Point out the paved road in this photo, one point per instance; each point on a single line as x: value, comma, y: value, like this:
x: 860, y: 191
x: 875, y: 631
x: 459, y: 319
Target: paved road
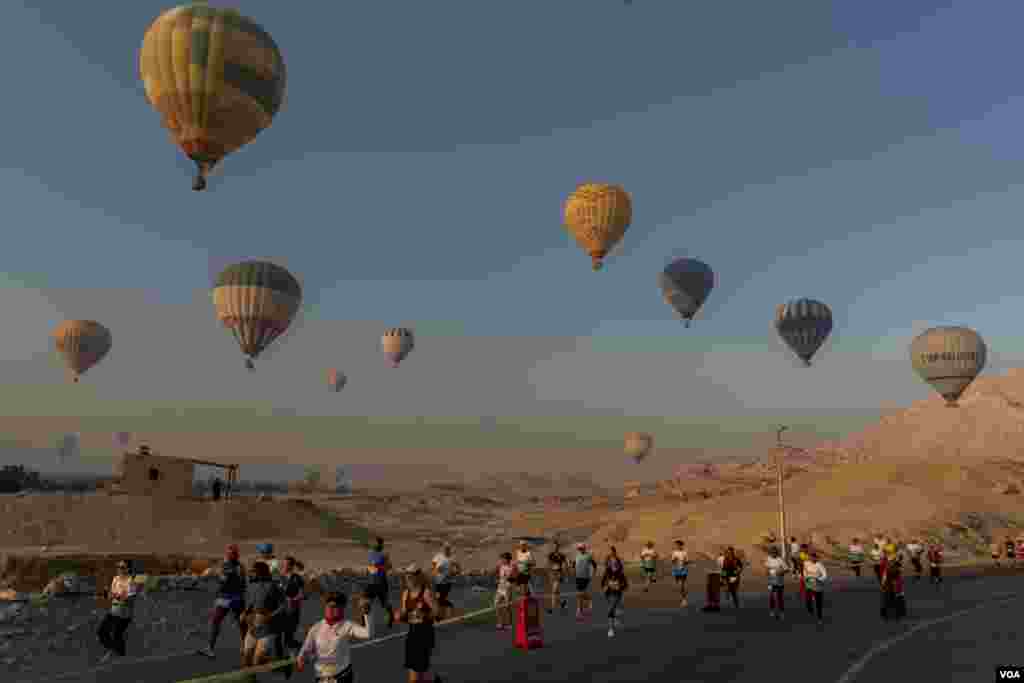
x: 671, y: 645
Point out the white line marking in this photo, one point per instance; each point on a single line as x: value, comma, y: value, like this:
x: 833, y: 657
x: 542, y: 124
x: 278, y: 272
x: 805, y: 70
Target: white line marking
x: 883, y: 646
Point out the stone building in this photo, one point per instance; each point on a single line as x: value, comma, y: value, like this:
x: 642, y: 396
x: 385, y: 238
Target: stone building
x: 150, y: 474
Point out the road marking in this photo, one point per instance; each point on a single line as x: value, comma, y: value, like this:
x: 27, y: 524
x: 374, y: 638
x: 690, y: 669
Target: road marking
x: 879, y: 648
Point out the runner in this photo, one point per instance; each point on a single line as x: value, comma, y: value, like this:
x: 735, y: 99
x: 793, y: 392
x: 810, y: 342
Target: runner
x: 894, y: 602
x: 585, y: 565
x: 442, y: 570
x: 855, y: 556
x: 777, y: 569
x: 230, y: 598
x: 417, y: 609
x: 123, y: 592
x: 649, y: 564
x: 1020, y: 548
x: 995, y: 550
x: 680, y: 570
x: 876, y: 560
x: 524, y: 568
x: 379, y: 566
x: 266, y: 553
x: 815, y: 577
x: 916, y: 551
x: 265, y: 605
x: 504, y: 573
x: 614, y: 583
x: 804, y: 555
x: 1011, y: 551
x: 732, y: 568
x: 328, y: 642
x: 794, y: 555
x: 556, y: 569
x: 935, y: 558
x: 294, y: 586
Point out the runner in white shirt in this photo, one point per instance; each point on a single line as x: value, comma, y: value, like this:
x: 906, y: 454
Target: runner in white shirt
x: 814, y: 579
x: 777, y: 569
x: 328, y: 641
x: 649, y: 564
x: 505, y: 573
x: 680, y: 570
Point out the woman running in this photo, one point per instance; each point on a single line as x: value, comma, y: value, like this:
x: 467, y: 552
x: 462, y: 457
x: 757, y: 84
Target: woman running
x: 123, y: 592
x: 328, y: 641
x: 649, y: 564
x: 265, y: 606
x: 814, y: 579
x: 524, y: 568
x: 556, y: 570
x: 585, y: 564
x: 615, y: 584
x: 505, y: 574
x: 418, y: 606
x: 680, y: 570
x: 855, y: 555
x: 230, y: 598
x: 732, y: 568
x: 777, y: 569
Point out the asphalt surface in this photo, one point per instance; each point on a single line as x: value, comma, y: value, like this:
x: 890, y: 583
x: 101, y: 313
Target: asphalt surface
x: 957, y: 631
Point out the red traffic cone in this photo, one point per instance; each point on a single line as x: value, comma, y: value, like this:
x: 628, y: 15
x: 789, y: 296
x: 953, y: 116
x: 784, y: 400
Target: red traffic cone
x: 529, y: 632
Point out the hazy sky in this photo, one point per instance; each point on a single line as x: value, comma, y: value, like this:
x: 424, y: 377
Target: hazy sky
x: 867, y: 154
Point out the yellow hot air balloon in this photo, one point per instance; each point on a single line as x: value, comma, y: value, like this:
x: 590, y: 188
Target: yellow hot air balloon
x: 216, y: 78
x: 598, y: 215
x: 948, y: 358
x: 638, y: 445
x: 82, y: 343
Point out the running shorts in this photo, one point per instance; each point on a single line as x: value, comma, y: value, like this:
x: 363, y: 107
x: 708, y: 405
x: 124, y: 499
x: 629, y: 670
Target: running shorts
x: 523, y: 578
x: 582, y: 585
x: 649, y: 571
x: 235, y: 603
x: 680, y: 573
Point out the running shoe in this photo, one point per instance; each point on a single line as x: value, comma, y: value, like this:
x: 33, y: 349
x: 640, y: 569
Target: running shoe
x: 206, y: 652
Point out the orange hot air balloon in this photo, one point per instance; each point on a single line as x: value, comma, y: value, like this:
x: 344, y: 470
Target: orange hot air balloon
x: 82, y: 344
x: 597, y: 215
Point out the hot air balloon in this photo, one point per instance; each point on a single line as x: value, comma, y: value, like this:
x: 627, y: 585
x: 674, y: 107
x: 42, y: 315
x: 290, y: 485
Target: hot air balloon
x: 122, y: 439
x: 804, y: 324
x: 336, y: 380
x: 396, y: 344
x: 257, y: 301
x: 685, y: 285
x: 598, y: 215
x: 948, y: 358
x: 82, y: 343
x: 638, y: 445
x: 215, y: 77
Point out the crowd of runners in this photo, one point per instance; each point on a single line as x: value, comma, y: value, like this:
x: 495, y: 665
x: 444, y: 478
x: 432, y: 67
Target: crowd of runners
x: 266, y: 600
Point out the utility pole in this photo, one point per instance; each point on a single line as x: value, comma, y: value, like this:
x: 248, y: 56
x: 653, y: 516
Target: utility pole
x: 779, y: 451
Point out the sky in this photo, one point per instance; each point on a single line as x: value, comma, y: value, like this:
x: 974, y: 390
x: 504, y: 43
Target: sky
x: 866, y: 154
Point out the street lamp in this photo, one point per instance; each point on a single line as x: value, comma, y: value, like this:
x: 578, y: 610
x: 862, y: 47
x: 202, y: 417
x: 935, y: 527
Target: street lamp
x: 779, y: 450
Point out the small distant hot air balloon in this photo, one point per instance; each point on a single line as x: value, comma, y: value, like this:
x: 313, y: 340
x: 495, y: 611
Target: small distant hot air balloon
x: 336, y: 380
x: 948, y: 358
x: 685, y: 285
x: 396, y: 344
x: 122, y: 439
x: 257, y: 301
x: 216, y: 78
x: 639, y: 445
x: 804, y: 324
x: 82, y: 343
x: 597, y: 215
x: 68, y: 447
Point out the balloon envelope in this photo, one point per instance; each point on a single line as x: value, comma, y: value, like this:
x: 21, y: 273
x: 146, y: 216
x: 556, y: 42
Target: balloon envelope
x: 948, y: 358
x: 122, y: 439
x: 396, y: 344
x: 804, y: 325
x: 82, y: 344
x: 638, y: 445
x: 685, y: 285
x: 597, y: 215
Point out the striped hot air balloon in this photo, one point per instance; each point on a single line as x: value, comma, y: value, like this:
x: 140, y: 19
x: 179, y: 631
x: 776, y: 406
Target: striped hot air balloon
x: 257, y: 301
x: 82, y: 344
x: 396, y: 344
x: 638, y: 445
x: 685, y: 285
x: 216, y: 78
x: 948, y: 358
x: 804, y: 325
x: 597, y: 215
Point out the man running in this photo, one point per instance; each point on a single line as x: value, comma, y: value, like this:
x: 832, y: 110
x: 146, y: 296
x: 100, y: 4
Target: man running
x: 814, y: 579
x: 265, y: 606
x: 230, y: 598
x: 585, y: 565
x: 379, y: 566
x: 935, y: 559
x: 855, y: 555
x: 680, y: 570
x: 916, y: 551
x: 777, y: 569
x: 524, y: 567
x: 556, y: 569
x: 505, y: 574
x: 294, y: 586
x: 442, y: 571
x: 327, y: 642
x: 649, y: 564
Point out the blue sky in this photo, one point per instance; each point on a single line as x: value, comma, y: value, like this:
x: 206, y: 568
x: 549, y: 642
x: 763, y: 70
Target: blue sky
x: 867, y: 154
